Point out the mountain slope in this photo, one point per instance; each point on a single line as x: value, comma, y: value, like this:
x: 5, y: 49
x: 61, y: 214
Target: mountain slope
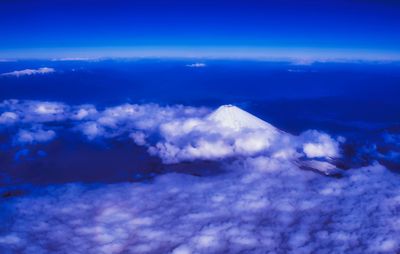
x: 232, y: 117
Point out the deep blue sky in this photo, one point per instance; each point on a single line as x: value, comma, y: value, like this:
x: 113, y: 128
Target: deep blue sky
x: 331, y: 28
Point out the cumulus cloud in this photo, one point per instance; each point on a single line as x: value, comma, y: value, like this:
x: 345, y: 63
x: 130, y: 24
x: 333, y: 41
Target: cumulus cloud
x: 91, y: 130
x: 319, y: 145
x: 84, y: 112
x: 106, y: 123
x: 34, y: 135
x: 196, y: 65
x: 138, y: 137
x: 29, y: 112
x: 8, y: 118
x: 29, y: 72
x: 129, y: 119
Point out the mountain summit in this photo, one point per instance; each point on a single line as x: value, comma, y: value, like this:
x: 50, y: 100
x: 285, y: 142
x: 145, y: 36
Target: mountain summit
x: 230, y: 116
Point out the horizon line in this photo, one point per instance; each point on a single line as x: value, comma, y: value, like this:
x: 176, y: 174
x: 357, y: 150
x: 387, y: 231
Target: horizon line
x: 228, y: 53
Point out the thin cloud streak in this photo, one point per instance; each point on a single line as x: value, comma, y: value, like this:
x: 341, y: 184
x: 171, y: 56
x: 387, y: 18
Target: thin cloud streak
x: 28, y: 72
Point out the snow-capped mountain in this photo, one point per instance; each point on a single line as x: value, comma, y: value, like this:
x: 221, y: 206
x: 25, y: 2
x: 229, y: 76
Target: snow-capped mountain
x: 233, y: 117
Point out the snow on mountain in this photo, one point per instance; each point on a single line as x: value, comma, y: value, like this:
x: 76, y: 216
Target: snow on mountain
x: 232, y: 117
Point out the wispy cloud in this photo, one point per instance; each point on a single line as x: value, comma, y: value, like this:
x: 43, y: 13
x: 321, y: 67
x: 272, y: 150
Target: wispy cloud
x: 5, y: 60
x: 28, y: 72
x: 66, y: 59
x: 196, y: 65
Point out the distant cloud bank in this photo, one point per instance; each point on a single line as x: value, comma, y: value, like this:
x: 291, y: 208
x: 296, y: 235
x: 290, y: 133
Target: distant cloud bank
x: 28, y: 72
x: 66, y: 59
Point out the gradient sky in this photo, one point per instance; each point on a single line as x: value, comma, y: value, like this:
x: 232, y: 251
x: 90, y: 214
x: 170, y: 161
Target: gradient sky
x: 87, y: 28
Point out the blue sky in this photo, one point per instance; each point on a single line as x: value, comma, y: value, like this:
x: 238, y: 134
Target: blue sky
x: 336, y: 28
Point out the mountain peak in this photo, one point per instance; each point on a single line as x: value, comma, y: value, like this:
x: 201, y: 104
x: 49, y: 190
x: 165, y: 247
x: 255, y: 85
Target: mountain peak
x: 233, y: 117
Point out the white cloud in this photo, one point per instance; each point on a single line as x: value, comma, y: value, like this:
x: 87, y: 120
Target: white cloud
x: 139, y: 138
x: 36, y: 111
x: 8, y: 118
x: 317, y: 144
x: 48, y: 108
x: 196, y: 65
x: 28, y: 72
x: 73, y: 59
x: 91, y: 130
x: 304, y: 61
x: 34, y: 135
x: 84, y: 112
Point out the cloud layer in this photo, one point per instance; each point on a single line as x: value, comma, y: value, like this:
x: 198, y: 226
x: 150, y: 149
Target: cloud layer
x: 261, y: 205
x: 264, y: 200
x: 173, y: 133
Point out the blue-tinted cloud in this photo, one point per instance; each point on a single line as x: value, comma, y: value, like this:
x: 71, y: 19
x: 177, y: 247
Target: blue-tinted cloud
x: 259, y: 205
x: 34, y: 135
x: 196, y: 65
x: 263, y: 201
x: 28, y: 72
x: 173, y: 133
